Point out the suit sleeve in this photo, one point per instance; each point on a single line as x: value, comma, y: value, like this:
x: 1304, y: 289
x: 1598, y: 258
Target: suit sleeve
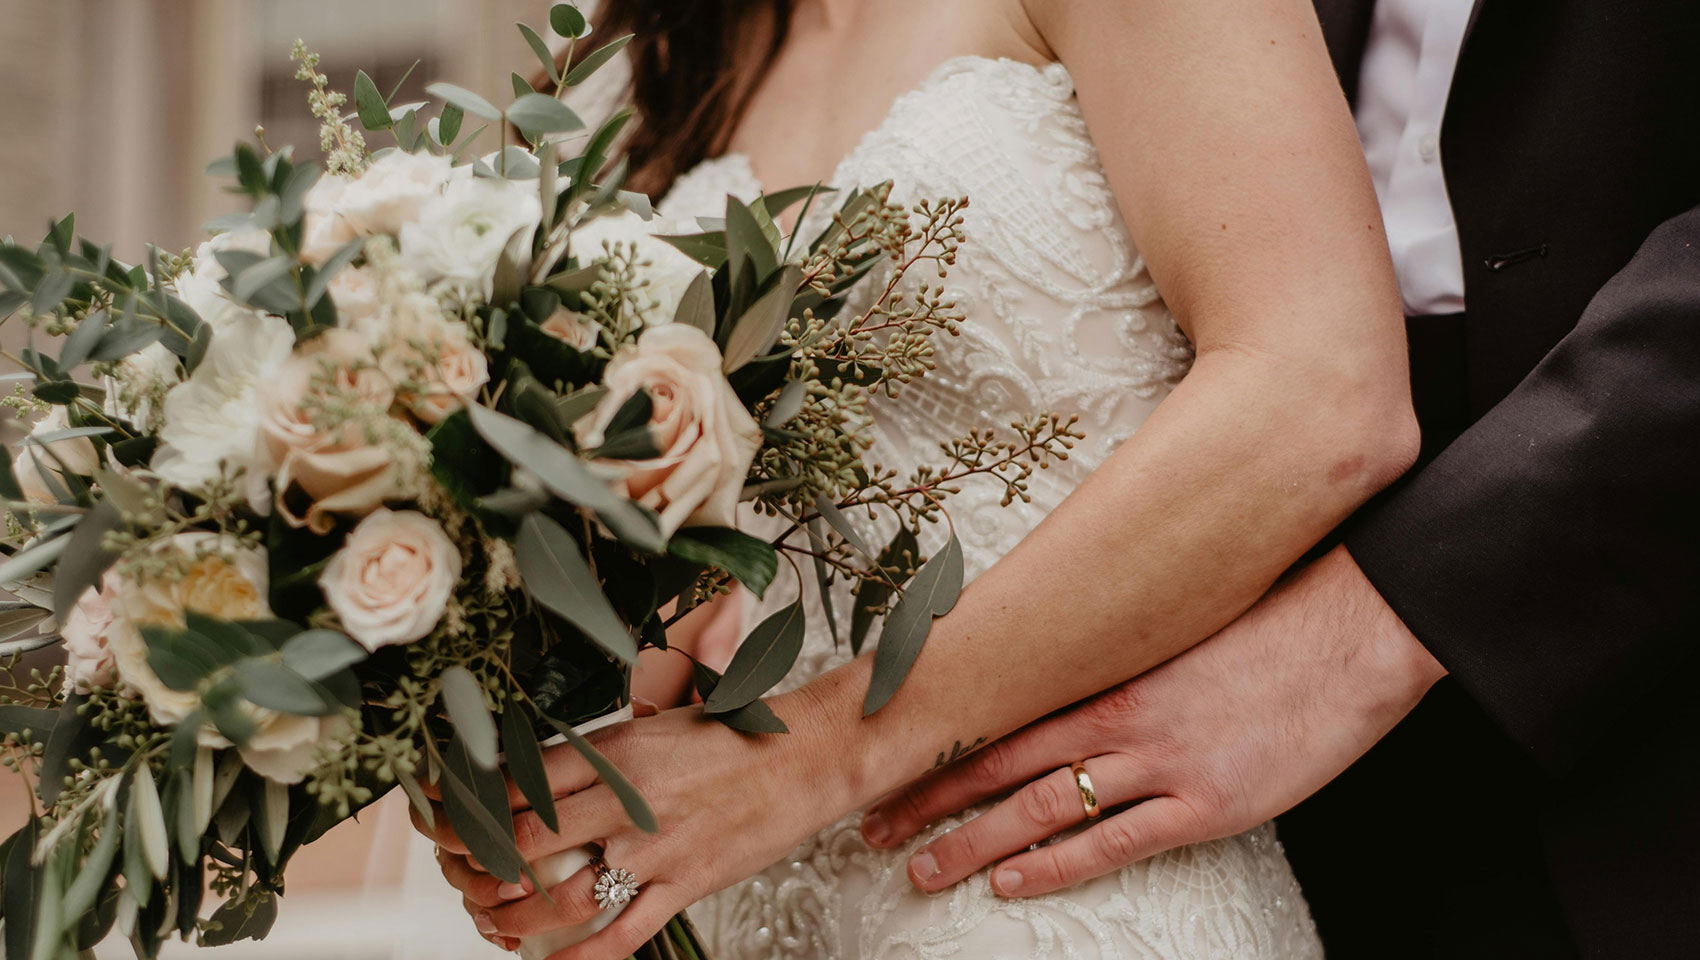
x: 1550, y: 556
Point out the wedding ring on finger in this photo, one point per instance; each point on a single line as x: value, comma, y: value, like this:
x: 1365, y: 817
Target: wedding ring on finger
x: 615, y: 886
x: 1088, y: 795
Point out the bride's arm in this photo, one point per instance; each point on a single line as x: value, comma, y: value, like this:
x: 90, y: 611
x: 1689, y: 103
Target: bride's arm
x: 1233, y: 156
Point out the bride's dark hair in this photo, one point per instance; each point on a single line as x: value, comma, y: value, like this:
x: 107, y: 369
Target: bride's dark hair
x: 695, y: 64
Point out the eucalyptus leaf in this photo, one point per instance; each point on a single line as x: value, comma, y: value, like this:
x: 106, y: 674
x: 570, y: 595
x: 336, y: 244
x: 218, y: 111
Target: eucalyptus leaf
x: 753, y: 561
x: 486, y: 831
x: 150, y: 820
x: 85, y: 559
x: 823, y: 581
x: 81, y: 341
x: 755, y: 717
x: 932, y: 594
x: 557, y: 577
x: 871, y: 595
x: 316, y: 654
x: 696, y: 306
x: 594, y: 60
x: 22, y: 890
x: 755, y: 333
x: 835, y: 517
x: 525, y: 763
x: 536, y: 114
x: 465, y: 100
x: 788, y: 404
x: 464, y: 700
x: 448, y: 123
x: 566, y: 20
x: 272, y: 817
x: 762, y: 660
x: 92, y: 873
x: 635, y: 806
x: 541, y: 49
x: 274, y: 686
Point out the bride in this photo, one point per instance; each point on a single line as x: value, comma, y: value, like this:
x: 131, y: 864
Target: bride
x: 1171, y: 235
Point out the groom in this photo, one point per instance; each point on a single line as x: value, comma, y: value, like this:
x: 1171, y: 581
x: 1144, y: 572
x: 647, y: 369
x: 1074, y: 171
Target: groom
x: 1513, y: 632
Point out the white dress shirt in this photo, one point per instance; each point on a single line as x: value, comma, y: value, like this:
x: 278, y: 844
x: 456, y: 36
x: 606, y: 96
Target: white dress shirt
x: 1402, y: 87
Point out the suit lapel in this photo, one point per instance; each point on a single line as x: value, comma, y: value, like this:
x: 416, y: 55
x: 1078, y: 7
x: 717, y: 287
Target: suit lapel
x: 1345, y: 28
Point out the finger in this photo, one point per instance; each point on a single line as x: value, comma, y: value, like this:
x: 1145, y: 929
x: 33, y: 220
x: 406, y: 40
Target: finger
x: 583, y: 817
x: 1037, y: 811
x: 643, y: 707
x: 1158, y: 824
x: 439, y: 831
x: 573, y: 900
x: 477, y: 886
x: 505, y: 943
x: 642, y: 919
x: 1000, y: 767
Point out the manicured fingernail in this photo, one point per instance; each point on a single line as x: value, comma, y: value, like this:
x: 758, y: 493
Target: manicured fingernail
x: 1006, y: 882
x: 485, y: 924
x: 874, y: 828
x: 923, y: 867
x: 511, y: 891
x: 507, y: 943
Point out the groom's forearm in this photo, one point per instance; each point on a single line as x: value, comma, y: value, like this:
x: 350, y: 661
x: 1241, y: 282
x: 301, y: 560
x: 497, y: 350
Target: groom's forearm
x: 1238, y: 473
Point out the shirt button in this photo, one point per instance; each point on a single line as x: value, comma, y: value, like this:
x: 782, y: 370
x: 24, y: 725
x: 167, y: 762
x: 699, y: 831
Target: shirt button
x: 1428, y: 146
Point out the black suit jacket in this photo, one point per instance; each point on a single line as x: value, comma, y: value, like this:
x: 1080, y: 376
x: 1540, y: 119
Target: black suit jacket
x: 1544, y: 801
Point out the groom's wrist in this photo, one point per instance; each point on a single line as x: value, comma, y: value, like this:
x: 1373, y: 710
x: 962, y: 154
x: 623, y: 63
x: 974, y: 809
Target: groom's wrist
x: 1391, y: 663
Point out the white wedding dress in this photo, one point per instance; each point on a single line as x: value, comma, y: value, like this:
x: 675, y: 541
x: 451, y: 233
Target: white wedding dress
x: 1062, y: 316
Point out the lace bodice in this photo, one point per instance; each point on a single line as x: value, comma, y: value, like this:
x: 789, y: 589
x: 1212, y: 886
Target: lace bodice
x: 1062, y: 317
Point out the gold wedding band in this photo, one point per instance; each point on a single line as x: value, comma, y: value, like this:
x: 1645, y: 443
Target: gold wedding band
x: 1088, y: 796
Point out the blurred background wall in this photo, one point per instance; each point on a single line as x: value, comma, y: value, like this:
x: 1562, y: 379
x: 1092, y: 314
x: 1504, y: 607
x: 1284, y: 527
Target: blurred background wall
x: 111, y: 109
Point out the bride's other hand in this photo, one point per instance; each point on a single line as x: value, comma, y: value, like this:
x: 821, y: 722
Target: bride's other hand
x: 1220, y: 739
x: 728, y: 804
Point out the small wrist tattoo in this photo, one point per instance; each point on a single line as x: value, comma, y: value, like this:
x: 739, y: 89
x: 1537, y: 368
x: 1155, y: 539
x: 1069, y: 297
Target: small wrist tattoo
x: 957, y: 751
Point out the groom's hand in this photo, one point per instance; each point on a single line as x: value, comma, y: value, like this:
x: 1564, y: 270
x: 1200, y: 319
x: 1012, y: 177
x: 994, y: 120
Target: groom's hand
x: 1212, y: 743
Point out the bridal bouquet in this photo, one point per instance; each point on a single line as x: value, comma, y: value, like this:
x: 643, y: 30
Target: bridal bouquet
x: 392, y: 478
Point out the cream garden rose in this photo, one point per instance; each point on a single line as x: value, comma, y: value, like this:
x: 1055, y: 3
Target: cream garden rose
x: 215, y: 576
x: 88, y: 660
x: 669, y: 272
x: 391, y: 581
x: 319, y: 429
x: 324, y: 228
x: 706, y: 437
x: 571, y: 328
x: 392, y: 192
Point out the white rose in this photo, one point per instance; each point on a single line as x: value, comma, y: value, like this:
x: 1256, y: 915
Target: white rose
x: 571, y: 328
x: 392, y: 192
x: 325, y: 229
x: 212, y: 419
x: 76, y: 454
x: 667, y: 273
x: 392, y: 579
x: 706, y: 436
x: 140, y: 378
x: 88, y: 661
x: 219, y: 578
x: 461, y: 236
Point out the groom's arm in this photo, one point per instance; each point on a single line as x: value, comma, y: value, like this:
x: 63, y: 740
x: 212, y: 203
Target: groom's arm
x: 1550, y: 556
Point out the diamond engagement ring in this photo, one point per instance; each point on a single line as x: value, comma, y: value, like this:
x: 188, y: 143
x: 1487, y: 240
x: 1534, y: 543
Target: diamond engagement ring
x: 615, y: 887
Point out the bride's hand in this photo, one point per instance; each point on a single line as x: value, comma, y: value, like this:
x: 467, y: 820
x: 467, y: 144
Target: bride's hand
x: 728, y: 805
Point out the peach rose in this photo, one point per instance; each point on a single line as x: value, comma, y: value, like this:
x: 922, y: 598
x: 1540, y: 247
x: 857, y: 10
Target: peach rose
x: 571, y: 328
x: 324, y: 229
x: 706, y: 437
x: 342, y: 469
x: 392, y: 579
x: 88, y: 660
x: 434, y: 355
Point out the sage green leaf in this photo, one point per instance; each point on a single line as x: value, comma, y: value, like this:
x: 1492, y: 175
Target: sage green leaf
x: 17, y: 618
x: 762, y: 660
x: 448, y: 123
x: 251, y: 280
x: 831, y: 514
x: 204, y: 780
x: 595, y: 59
x: 536, y: 114
x: 85, y: 558
x: 541, y: 49
x: 788, y: 404
x: 522, y: 87
x: 464, y: 699
x: 274, y: 686
x: 22, y: 889
x: 343, y: 256
x: 932, y: 594
x: 567, y: 477
x: 91, y: 874
x: 823, y: 581
x: 747, y: 246
x: 635, y: 806
x: 708, y: 249
x: 696, y: 306
x: 557, y: 577
x: 566, y: 20
x: 525, y: 763
x: 238, y: 919
x: 755, y: 333
x: 871, y: 595
x: 272, y: 817
x: 150, y: 824
x: 490, y: 839
x: 369, y: 102
x: 465, y: 100
x: 416, y: 797
x: 316, y: 654
x: 574, y: 406
x: 779, y: 201
x: 755, y: 717
x: 127, y: 493
x: 753, y: 561
x: 82, y: 340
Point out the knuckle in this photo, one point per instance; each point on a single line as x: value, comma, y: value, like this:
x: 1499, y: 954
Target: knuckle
x: 1116, y: 843
x: 995, y: 765
x: 1040, y: 804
